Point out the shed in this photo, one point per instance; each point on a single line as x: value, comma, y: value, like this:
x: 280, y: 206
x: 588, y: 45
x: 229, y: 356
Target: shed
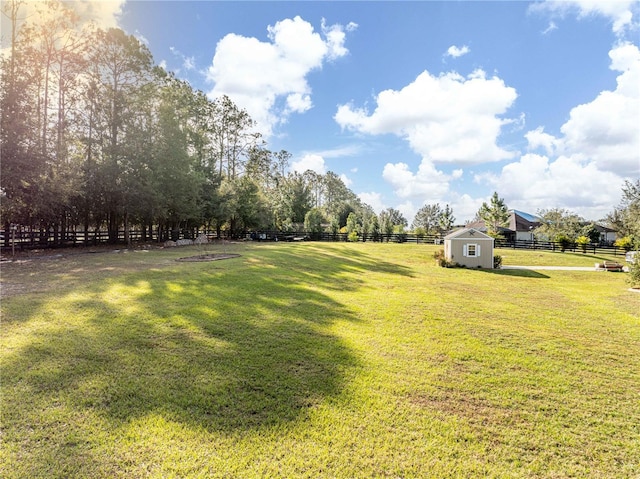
x: 469, y: 247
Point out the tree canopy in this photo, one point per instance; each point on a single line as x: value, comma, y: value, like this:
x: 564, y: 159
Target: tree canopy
x: 557, y: 224
x: 432, y: 218
x: 495, y: 214
x: 96, y: 135
x: 626, y: 217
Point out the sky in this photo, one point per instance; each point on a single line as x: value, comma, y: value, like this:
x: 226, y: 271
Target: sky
x: 416, y: 103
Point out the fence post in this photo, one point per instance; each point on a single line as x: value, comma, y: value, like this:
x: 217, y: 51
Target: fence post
x: 13, y: 239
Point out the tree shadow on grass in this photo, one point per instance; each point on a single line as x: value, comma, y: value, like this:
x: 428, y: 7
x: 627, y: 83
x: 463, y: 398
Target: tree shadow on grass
x: 522, y: 273
x: 218, y: 349
x: 312, y: 261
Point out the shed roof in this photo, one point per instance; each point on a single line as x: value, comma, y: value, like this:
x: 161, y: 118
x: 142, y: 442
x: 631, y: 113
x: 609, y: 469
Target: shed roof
x: 480, y: 226
x: 468, y: 233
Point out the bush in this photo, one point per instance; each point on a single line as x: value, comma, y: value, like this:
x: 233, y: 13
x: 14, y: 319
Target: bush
x: 583, y: 242
x: 625, y: 243
x: 497, y: 261
x: 441, y: 260
x: 401, y: 238
x: 564, y: 241
x: 634, y: 272
x: 353, y: 236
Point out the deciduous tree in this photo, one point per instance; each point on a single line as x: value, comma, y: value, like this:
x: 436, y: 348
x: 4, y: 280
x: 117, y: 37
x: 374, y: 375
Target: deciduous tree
x: 428, y: 218
x: 557, y: 224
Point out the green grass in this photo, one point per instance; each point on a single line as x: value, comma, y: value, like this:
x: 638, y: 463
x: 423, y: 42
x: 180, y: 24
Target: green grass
x: 525, y: 257
x: 317, y: 360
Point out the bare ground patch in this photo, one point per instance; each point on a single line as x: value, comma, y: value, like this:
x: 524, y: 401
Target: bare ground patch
x: 209, y: 257
x: 39, y: 271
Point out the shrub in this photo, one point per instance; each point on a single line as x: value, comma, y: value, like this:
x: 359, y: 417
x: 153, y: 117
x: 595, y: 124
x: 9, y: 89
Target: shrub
x: 497, y: 261
x: 441, y: 260
x: 583, y: 242
x: 626, y: 243
x: 401, y: 237
x: 564, y: 242
x: 353, y: 236
x: 634, y: 272
x: 420, y: 232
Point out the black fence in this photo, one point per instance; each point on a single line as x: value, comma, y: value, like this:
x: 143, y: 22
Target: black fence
x: 30, y: 238
x: 15, y: 240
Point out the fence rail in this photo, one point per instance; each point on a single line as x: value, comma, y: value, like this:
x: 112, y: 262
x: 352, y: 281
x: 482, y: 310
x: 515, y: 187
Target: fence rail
x: 28, y: 239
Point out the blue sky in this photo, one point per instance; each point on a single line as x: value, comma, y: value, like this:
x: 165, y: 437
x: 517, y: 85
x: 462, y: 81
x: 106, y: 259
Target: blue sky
x: 423, y: 102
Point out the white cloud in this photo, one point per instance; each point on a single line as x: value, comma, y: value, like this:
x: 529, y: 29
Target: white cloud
x: 446, y: 118
x: 335, y: 35
x: 104, y: 13
x: 619, y: 12
x: 552, y: 26
x: 429, y: 185
x: 346, y: 180
x: 606, y: 130
x: 298, y: 103
x: 539, y: 139
x: 188, y: 63
x: 455, y: 51
x: 268, y: 79
x: 340, y: 151
x: 428, y: 182
x: 141, y: 38
x: 310, y: 162
x: 465, y: 207
x: 536, y: 182
x: 408, y: 210
x: 583, y: 169
x: 374, y: 200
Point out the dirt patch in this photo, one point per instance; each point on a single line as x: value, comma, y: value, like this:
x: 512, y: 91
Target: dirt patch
x: 209, y: 257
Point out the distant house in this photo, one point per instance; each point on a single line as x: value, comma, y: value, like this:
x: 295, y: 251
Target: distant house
x: 522, y: 225
x: 522, y: 228
x: 607, y: 235
x: 469, y: 247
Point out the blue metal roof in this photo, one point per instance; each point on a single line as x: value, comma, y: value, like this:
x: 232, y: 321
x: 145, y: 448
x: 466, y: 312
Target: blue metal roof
x: 527, y: 216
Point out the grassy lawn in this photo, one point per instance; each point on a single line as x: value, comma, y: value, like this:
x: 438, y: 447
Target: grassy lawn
x: 317, y: 360
x: 525, y: 257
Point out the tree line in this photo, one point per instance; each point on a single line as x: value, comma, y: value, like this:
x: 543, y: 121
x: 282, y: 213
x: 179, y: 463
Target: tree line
x: 96, y: 135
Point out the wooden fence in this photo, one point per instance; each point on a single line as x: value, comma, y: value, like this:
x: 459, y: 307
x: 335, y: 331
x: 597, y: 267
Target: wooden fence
x: 18, y: 239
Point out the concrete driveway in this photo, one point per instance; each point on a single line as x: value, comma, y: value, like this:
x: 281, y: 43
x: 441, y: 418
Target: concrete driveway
x: 557, y: 268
